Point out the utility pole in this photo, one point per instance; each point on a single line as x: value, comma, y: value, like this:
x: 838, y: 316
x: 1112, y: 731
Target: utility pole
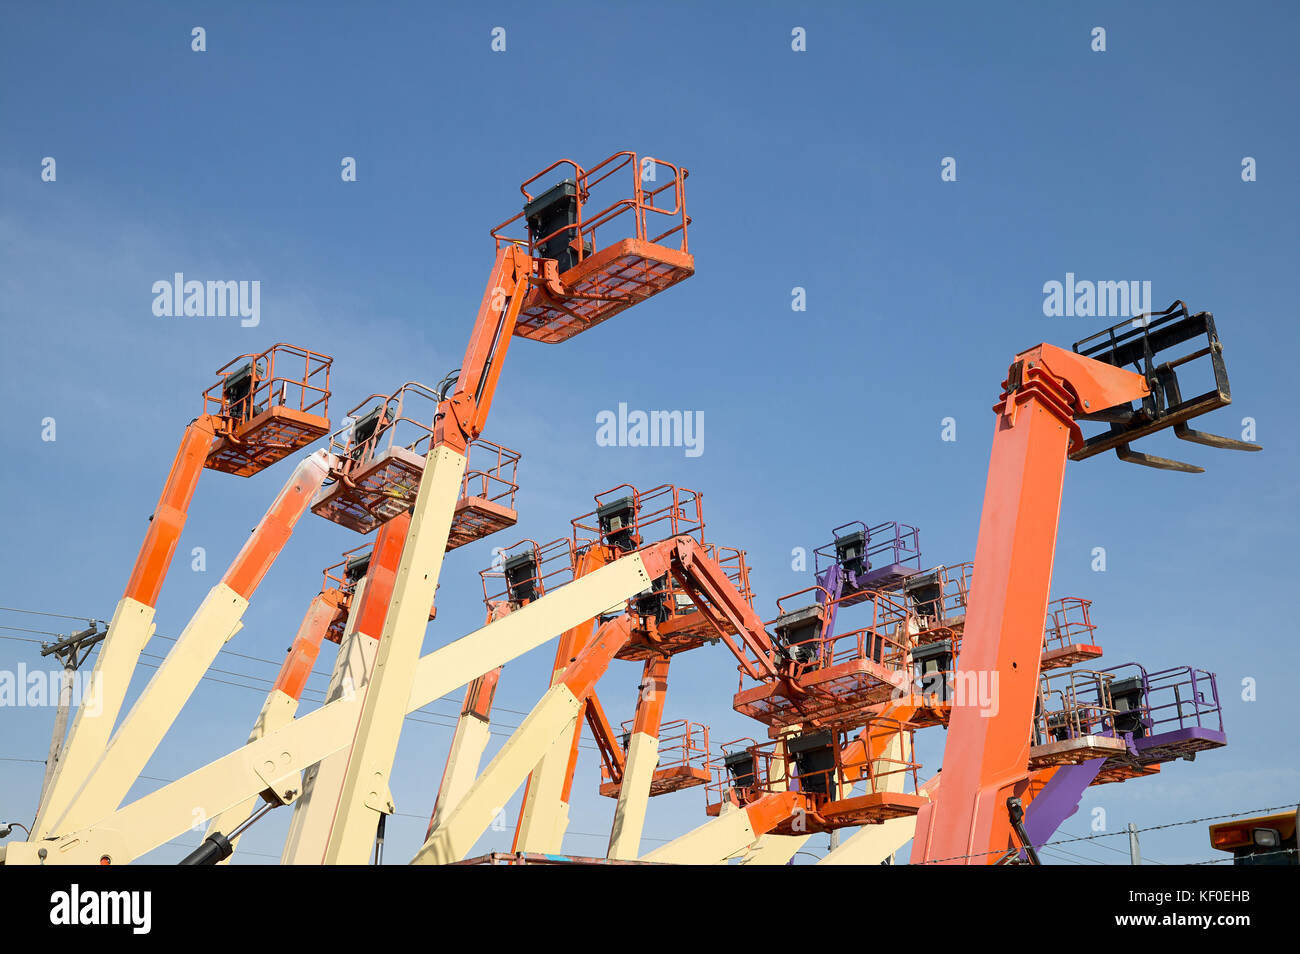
x: 72, y: 652
x: 1135, y: 854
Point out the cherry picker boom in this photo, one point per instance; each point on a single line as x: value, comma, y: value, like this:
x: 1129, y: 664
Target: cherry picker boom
x: 637, y: 582
x: 551, y: 720
x: 1046, y: 392
x: 260, y: 410
x: 550, y: 285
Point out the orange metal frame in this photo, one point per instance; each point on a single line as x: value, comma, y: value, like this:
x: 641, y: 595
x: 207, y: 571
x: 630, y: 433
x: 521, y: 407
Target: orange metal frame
x: 611, y: 277
x: 279, y: 412
x: 685, y: 627
x: 1068, y: 639
x: 298, y: 664
x: 341, y: 581
x: 1069, y: 636
x: 986, y: 758
x: 823, y: 799
x: 479, y: 696
x: 670, y: 622
x: 284, y: 407
x: 462, y: 417
x: 159, y: 545
x: 653, y: 693
x: 943, y: 615
x: 378, y: 475
x: 1074, y: 721
x: 658, y: 514
x: 552, y: 565
x: 683, y: 759
x: 836, y: 678
x: 274, y: 529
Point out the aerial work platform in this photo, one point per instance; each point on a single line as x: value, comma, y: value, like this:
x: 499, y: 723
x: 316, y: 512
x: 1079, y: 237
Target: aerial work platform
x: 831, y: 678
x: 601, y: 239
x: 822, y: 768
x: 669, y: 620
x: 938, y: 598
x: 683, y: 759
x: 271, y: 404
x: 1075, y: 719
x: 863, y: 559
x: 1069, y: 634
x: 525, y: 571
x: 381, y: 458
x: 1167, y: 715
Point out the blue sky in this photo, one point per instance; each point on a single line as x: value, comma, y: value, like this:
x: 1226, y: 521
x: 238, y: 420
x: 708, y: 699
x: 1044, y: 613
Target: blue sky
x: 818, y: 169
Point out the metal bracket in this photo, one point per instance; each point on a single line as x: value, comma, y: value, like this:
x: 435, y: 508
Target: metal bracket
x: 1017, y: 812
x: 1136, y: 343
x: 381, y: 800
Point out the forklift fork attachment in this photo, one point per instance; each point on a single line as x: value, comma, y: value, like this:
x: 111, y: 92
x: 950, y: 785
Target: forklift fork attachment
x: 1130, y: 456
x: 1170, y: 381
x: 1137, y: 343
x: 1183, y: 432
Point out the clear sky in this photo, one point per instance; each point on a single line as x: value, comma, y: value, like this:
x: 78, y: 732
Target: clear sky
x: 817, y: 169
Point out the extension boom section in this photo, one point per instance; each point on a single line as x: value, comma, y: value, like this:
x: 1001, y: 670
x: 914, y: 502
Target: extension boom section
x: 274, y: 761
x: 987, y: 758
x: 212, y: 626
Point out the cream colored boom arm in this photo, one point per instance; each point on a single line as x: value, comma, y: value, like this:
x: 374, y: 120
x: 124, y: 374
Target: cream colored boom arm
x: 545, y: 815
x: 469, y: 740
x: 322, y: 783
x: 217, y: 620
x: 128, y: 632
x: 277, y: 710
x: 633, y: 796
x: 641, y: 761
x: 366, y: 794
x: 872, y: 844
x: 468, y: 744
x: 776, y: 849
x: 273, y: 761
x: 456, y: 832
x: 281, y: 703
x: 550, y: 721
x: 730, y: 833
